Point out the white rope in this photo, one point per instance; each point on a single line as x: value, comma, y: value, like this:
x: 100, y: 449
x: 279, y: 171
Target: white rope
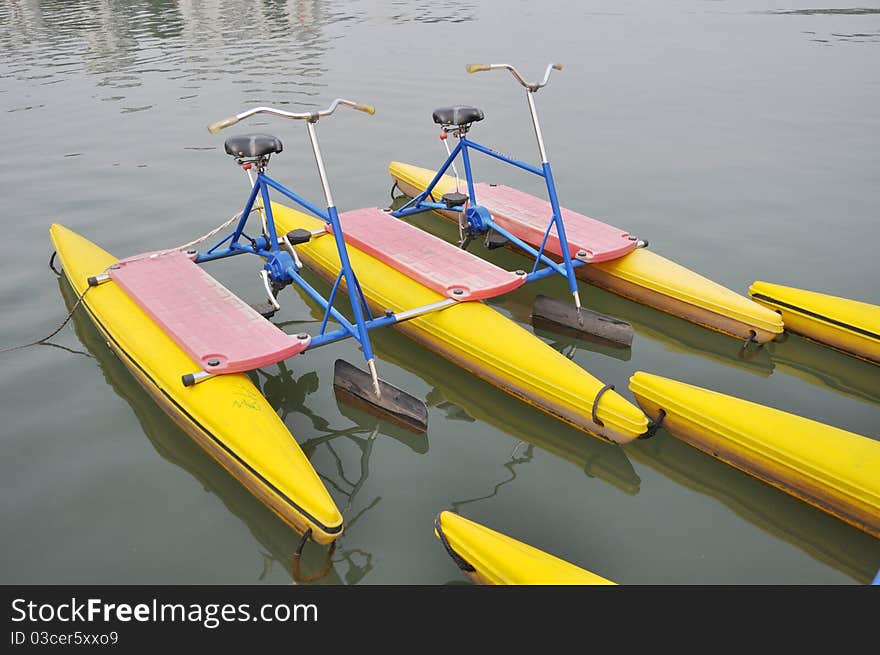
x: 190, y: 244
x: 79, y: 300
x: 207, y: 236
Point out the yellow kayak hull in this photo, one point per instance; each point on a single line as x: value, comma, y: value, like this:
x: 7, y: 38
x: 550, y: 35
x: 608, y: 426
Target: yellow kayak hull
x: 226, y: 414
x: 497, y: 559
x: 477, y: 338
x: 274, y: 535
x: 847, y: 325
x: 644, y: 276
x: 832, y: 469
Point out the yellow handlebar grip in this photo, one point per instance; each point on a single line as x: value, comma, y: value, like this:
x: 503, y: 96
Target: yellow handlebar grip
x: 476, y: 68
x: 557, y: 67
x: 367, y: 109
x: 213, y: 128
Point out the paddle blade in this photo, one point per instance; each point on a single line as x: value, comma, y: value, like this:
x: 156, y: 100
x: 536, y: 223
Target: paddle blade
x: 548, y: 313
x: 356, y: 386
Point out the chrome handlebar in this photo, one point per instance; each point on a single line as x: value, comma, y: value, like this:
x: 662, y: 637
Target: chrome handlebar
x: 311, y: 116
x: 476, y: 68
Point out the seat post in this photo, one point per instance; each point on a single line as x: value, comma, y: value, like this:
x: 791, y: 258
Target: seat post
x: 319, y: 160
x: 261, y: 164
x: 531, y: 97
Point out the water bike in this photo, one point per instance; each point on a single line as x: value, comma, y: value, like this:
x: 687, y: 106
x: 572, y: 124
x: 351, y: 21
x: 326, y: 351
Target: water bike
x: 188, y: 340
x: 560, y: 240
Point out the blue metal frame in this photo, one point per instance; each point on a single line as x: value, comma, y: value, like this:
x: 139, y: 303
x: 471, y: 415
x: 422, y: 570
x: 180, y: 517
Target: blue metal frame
x: 282, y: 269
x: 480, y: 220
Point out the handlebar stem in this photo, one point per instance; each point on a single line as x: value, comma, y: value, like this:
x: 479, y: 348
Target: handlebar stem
x: 534, y: 112
x: 319, y: 160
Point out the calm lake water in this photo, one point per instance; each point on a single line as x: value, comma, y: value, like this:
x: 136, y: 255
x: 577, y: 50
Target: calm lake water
x: 740, y: 137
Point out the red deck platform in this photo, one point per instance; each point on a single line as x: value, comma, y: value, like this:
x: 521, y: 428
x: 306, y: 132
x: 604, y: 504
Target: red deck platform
x: 428, y: 259
x: 527, y: 217
x: 209, y: 322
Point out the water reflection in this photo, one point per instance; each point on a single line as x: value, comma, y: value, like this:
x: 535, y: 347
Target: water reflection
x: 860, y: 36
x: 432, y: 12
x: 852, y: 11
x: 467, y: 397
x: 349, y: 448
x: 193, y: 41
x: 825, y: 367
x: 515, y: 459
x: 820, y: 535
x: 278, y: 540
x: 464, y: 397
x: 186, y: 41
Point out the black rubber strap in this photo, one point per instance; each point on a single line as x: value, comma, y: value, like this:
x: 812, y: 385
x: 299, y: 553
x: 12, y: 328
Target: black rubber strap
x: 607, y: 387
x: 458, y: 559
x: 52, y: 263
x: 302, y: 543
x: 655, y: 425
x: 752, y: 339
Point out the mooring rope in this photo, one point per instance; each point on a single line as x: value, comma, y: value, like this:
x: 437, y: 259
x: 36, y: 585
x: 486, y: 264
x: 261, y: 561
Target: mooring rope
x: 79, y: 299
x: 190, y: 244
x: 57, y: 330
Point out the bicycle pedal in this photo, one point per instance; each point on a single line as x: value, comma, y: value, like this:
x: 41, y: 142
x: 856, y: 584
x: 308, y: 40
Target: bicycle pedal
x: 495, y: 240
x: 454, y: 199
x: 264, y: 309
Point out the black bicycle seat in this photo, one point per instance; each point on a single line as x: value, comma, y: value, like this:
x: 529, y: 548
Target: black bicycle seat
x: 459, y: 115
x: 248, y: 146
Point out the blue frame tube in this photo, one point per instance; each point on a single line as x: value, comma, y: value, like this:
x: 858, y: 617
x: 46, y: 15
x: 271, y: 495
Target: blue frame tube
x: 565, y: 268
x: 424, y: 194
x: 342, y: 333
x: 560, y: 228
x: 330, y: 299
x: 360, y: 328
x: 267, y: 207
x: 317, y: 297
x: 351, y: 285
x: 468, y: 174
x: 245, y: 214
x: 320, y: 213
x: 497, y: 155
